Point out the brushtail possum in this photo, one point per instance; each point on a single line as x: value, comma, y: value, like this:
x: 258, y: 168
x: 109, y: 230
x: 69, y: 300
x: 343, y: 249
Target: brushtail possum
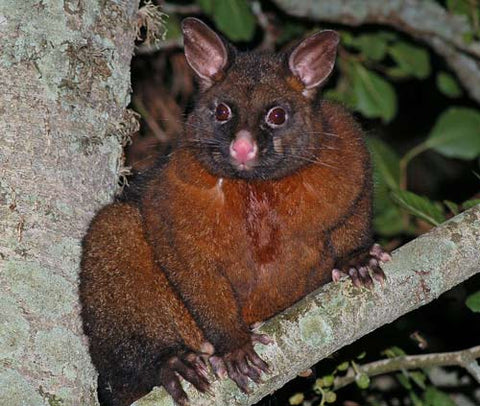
x: 267, y: 196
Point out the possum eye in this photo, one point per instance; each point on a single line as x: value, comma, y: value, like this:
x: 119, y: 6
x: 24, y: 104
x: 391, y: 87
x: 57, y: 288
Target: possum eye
x: 276, y: 117
x: 223, y: 112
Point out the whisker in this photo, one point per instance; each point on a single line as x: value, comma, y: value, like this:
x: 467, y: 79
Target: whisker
x: 321, y: 133
x: 313, y: 161
x: 320, y: 148
x: 202, y: 141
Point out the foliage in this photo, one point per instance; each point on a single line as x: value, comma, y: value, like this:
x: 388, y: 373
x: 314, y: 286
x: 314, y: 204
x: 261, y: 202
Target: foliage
x: 471, y: 11
x: 473, y: 302
x: 234, y: 17
x: 448, y: 85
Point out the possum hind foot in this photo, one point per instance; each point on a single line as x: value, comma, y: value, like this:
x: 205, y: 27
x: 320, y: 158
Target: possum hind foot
x: 189, y: 366
x: 242, y: 364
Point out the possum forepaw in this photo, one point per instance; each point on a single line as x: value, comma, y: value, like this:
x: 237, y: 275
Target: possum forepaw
x: 363, y: 267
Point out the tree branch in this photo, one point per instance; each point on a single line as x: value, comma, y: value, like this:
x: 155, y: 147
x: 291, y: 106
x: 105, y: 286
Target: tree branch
x: 465, y: 358
x: 424, y: 20
x: 339, y: 314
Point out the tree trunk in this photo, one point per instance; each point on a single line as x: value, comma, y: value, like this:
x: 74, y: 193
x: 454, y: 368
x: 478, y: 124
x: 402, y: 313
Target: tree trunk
x: 64, y: 85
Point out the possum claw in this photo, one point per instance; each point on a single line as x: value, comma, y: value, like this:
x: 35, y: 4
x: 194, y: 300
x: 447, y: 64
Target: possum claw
x: 242, y: 364
x: 364, y: 268
x: 190, y: 367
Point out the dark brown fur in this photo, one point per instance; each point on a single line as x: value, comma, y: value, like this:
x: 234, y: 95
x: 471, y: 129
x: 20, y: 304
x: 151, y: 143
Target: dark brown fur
x: 204, y: 253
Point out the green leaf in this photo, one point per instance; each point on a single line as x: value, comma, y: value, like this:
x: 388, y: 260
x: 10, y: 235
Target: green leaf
x: 296, y: 399
x: 416, y: 401
x: 347, y: 38
x: 459, y: 6
x: 172, y: 27
x: 330, y: 397
x: 448, y: 85
x: 234, y: 18
x: 343, y: 366
x: 290, y: 30
x: 419, y: 206
x: 385, y: 161
x: 452, y: 206
x: 375, y: 97
x: 386, y: 174
x: 343, y: 91
x: 206, y: 6
x: 419, y: 378
x: 456, y: 134
x: 465, y: 7
x: 403, y: 380
x: 470, y: 203
x: 396, y: 73
x: 388, y: 35
x: 394, y: 351
x: 362, y: 380
x: 362, y: 355
x: 388, y: 220
x: 372, y: 46
x: 327, y: 380
x: 473, y: 302
x: 435, y: 397
x: 412, y: 59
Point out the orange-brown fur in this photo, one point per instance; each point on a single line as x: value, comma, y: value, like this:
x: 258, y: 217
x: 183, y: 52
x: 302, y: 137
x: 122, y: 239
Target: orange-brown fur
x: 198, y: 257
x: 274, y: 241
x: 238, y: 251
x: 122, y: 287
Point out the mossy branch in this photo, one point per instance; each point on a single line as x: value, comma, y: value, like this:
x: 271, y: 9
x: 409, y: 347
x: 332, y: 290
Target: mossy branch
x: 339, y: 314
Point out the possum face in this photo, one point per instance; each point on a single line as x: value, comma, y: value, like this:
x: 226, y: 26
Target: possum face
x: 254, y: 117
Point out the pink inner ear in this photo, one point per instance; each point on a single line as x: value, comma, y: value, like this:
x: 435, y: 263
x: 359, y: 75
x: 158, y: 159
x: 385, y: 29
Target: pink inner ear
x: 312, y: 61
x: 216, y: 64
x: 205, y: 51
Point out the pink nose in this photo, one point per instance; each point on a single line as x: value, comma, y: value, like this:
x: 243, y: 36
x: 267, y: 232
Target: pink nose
x: 243, y: 148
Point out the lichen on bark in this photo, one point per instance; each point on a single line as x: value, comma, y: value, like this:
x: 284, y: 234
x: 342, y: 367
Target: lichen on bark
x: 64, y: 80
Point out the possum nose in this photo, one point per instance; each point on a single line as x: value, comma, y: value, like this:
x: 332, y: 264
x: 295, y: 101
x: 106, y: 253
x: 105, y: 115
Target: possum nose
x: 243, y: 148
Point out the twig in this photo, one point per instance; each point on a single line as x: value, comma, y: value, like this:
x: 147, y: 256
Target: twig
x: 474, y: 369
x: 269, y: 37
x: 465, y: 358
x: 170, y: 8
x: 159, y: 46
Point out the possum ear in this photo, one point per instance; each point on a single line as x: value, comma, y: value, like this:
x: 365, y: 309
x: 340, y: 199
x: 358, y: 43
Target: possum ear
x: 205, y: 51
x: 313, y: 59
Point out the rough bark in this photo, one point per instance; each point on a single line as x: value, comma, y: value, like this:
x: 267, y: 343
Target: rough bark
x: 64, y: 85
x: 424, y: 20
x: 339, y: 314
